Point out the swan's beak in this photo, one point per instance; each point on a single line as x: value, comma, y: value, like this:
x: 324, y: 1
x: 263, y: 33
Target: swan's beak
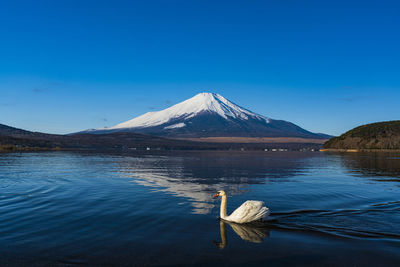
x: 216, y: 195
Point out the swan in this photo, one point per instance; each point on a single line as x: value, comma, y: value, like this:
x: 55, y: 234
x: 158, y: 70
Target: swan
x: 249, y: 211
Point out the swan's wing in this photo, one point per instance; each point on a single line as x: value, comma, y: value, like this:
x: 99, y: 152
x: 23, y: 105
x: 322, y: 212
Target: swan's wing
x: 249, y: 211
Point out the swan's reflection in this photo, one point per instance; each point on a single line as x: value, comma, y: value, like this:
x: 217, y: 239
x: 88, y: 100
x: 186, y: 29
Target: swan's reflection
x: 251, y: 232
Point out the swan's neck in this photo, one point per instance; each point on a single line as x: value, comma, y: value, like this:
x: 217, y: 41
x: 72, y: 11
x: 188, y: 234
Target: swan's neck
x: 222, y: 212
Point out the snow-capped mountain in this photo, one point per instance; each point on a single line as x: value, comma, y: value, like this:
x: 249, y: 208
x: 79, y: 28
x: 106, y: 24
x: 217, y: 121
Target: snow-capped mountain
x: 203, y: 102
x: 208, y: 115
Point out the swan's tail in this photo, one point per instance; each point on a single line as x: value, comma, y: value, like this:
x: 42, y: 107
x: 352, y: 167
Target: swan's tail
x: 262, y: 213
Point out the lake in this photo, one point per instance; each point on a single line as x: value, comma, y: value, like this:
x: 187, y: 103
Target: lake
x: 327, y: 209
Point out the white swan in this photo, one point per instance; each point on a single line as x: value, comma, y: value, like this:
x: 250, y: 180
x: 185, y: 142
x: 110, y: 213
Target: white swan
x: 249, y: 211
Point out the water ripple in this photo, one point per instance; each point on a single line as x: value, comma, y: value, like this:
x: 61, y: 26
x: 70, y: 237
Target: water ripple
x: 83, y: 206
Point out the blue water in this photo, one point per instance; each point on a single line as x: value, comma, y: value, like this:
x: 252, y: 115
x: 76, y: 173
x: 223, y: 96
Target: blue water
x: 66, y: 208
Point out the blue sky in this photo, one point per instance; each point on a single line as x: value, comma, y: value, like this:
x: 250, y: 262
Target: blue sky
x: 327, y: 66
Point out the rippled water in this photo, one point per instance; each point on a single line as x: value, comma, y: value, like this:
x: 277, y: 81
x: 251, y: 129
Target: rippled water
x: 68, y: 209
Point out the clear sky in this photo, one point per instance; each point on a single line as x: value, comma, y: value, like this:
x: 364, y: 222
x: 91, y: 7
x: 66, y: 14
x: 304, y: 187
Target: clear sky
x: 327, y: 66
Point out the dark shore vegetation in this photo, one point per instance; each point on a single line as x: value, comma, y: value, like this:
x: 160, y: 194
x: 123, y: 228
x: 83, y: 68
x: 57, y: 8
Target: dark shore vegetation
x: 370, y: 137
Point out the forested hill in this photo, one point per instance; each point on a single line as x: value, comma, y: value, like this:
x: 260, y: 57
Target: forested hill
x: 380, y: 135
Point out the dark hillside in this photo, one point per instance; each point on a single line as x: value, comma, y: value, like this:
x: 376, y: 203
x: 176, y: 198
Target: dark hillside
x: 380, y: 135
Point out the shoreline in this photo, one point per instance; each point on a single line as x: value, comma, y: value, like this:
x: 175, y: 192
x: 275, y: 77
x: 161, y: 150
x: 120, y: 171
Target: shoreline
x: 352, y: 150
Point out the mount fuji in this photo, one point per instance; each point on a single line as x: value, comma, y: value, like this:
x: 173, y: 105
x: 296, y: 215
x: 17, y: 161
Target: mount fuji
x: 208, y: 115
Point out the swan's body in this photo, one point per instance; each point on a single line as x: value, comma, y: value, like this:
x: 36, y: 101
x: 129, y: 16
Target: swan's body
x: 249, y: 211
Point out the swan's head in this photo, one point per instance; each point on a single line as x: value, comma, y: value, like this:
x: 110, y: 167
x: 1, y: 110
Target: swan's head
x: 220, y: 193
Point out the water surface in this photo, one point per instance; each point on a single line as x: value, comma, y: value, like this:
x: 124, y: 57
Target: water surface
x: 65, y: 208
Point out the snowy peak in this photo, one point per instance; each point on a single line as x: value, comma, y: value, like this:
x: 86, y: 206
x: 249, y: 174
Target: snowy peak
x: 220, y: 105
x: 203, y: 102
x: 208, y: 115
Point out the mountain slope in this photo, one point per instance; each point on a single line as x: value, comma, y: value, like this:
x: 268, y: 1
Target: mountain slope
x: 11, y: 131
x: 209, y: 115
x: 380, y: 135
